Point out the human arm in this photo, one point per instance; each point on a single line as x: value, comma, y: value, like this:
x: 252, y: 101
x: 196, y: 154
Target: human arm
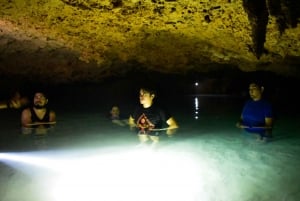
x: 239, y: 124
x: 26, y: 117
x: 52, y: 121
x: 269, y: 122
x: 267, y: 125
x: 26, y: 120
x: 52, y: 116
x: 16, y: 102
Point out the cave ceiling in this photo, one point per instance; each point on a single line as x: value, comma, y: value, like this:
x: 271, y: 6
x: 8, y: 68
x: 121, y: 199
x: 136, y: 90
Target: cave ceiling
x: 73, y: 40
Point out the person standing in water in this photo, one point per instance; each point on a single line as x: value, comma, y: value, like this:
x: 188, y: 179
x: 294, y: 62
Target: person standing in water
x: 38, y: 117
x: 149, y: 119
x: 116, y: 117
x: 257, y: 114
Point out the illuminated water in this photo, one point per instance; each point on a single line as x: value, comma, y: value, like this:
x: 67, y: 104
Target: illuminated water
x: 87, y: 157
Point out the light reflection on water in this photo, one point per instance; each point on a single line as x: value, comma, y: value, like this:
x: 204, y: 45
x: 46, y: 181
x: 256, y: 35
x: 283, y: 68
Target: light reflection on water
x: 201, y: 105
x: 196, y: 107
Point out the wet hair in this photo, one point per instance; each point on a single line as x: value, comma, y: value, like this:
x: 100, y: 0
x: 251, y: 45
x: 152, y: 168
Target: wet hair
x: 41, y: 92
x: 38, y: 88
x: 258, y: 83
x: 259, y: 78
x: 149, y: 89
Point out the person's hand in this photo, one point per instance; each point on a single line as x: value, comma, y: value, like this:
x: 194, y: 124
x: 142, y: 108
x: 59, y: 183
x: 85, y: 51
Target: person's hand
x: 17, y: 101
x: 131, y: 123
x: 16, y: 104
x: 239, y: 125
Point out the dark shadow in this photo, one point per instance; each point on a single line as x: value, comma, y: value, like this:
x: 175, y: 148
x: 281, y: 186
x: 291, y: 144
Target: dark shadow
x: 285, y: 11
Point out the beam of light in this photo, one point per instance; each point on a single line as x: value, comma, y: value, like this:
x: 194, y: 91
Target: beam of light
x: 127, y: 175
x: 32, y: 159
x: 28, y: 159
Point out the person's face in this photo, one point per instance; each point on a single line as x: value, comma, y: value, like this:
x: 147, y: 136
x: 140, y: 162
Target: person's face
x: 39, y: 100
x: 255, y: 91
x: 146, y: 98
x: 115, y: 111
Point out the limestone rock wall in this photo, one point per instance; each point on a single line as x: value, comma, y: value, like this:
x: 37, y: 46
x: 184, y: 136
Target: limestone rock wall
x: 70, y: 40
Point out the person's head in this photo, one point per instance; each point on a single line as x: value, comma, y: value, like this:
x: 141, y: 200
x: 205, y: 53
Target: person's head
x: 146, y: 96
x: 256, y: 90
x: 115, y: 111
x: 40, y: 100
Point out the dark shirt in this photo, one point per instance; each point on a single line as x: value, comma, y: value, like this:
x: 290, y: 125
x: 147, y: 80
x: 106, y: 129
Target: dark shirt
x: 36, y: 119
x: 150, y: 118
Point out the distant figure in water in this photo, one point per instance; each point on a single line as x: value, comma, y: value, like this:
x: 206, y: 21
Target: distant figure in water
x: 115, y: 116
x: 257, y: 114
x: 15, y: 102
x: 150, y: 119
x: 38, y: 117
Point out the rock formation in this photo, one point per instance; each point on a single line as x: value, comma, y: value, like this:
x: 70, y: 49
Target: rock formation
x: 77, y: 40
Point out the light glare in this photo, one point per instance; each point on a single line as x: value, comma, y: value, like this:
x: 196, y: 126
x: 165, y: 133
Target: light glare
x: 116, y: 176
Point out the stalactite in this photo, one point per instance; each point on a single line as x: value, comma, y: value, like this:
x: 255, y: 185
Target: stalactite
x: 258, y: 16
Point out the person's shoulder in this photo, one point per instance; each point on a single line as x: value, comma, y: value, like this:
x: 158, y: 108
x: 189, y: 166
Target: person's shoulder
x: 265, y: 101
x: 159, y: 106
x: 26, y: 111
x: 252, y: 103
x: 52, y: 111
x: 249, y: 101
x: 138, y: 107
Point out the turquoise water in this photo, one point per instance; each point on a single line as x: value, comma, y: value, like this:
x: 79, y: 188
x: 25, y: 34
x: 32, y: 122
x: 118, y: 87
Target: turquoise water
x: 207, y: 160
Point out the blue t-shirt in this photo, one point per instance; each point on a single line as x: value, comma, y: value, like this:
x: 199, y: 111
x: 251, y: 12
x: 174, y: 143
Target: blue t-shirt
x: 254, y: 114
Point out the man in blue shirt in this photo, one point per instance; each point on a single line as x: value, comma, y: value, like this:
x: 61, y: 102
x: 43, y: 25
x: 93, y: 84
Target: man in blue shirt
x: 257, y: 114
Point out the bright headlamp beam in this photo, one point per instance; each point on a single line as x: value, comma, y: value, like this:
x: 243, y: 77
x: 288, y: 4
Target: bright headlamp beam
x: 31, y: 160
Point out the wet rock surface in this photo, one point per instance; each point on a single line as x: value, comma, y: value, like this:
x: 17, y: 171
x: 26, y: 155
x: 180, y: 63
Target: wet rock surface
x: 70, y: 40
